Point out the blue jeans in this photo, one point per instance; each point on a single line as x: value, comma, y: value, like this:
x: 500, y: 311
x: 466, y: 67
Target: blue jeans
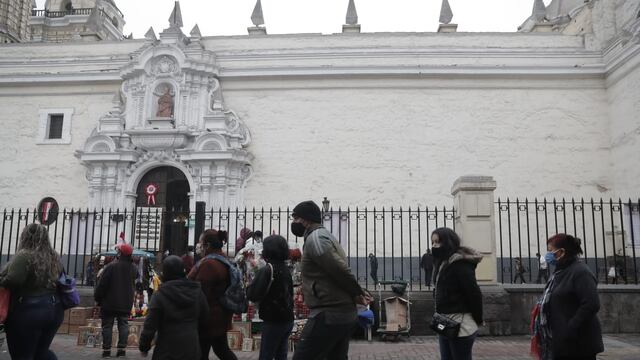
x: 456, y: 349
x: 275, y: 339
x: 107, y: 329
x: 32, y: 323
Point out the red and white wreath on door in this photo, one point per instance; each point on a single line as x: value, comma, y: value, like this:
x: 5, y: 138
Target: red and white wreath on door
x: 151, y: 189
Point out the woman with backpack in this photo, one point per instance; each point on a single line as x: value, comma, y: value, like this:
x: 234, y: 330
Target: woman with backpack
x: 213, y: 276
x: 272, y: 287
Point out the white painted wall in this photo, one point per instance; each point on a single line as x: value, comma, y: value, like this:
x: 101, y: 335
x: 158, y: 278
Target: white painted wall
x: 404, y: 142
x: 370, y: 119
x: 625, y: 133
x: 28, y: 171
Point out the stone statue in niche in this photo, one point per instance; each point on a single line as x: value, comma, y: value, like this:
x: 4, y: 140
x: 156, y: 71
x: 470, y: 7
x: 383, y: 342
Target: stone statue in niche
x: 165, y: 104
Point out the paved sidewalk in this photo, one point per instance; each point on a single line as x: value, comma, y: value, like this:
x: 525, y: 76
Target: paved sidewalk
x: 618, y: 347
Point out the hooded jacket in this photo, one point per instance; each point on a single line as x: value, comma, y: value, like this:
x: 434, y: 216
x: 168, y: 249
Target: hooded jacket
x: 176, y: 311
x: 114, y: 292
x: 456, y: 289
x: 327, y: 281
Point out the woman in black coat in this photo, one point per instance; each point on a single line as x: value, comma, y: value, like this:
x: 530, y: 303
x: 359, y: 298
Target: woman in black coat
x: 457, y: 294
x: 175, y: 312
x: 273, y: 288
x: 570, y: 304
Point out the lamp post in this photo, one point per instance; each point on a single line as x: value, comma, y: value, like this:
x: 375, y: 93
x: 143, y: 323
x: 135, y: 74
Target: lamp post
x: 325, y: 204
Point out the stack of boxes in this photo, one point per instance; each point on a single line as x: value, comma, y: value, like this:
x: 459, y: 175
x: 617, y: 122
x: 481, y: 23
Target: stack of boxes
x: 86, y: 324
x: 74, y: 318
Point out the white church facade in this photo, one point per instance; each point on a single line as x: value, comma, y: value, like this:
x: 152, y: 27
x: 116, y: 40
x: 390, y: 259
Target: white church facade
x: 366, y: 119
x: 97, y: 120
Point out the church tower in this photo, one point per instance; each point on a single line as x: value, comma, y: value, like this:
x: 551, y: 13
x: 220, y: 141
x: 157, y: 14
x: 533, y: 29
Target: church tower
x: 14, y: 20
x: 80, y: 20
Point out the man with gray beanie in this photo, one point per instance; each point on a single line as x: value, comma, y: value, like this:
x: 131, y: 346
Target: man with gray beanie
x: 330, y: 289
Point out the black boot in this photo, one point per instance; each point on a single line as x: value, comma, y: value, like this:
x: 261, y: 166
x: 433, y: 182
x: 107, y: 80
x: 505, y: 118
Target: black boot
x: 106, y: 353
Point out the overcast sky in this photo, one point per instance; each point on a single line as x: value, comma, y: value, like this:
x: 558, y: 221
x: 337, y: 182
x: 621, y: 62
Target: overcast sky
x: 232, y: 17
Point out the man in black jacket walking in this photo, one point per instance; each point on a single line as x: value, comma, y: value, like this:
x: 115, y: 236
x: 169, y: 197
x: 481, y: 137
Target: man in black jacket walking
x: 114, y: 295
x: 426, y: 263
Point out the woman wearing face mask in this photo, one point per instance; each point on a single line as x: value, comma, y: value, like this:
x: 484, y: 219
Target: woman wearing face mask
x: 457, y: 294
x: 568, y: 314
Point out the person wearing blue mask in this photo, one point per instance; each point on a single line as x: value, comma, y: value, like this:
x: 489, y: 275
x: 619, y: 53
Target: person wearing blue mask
x: 568, y: 314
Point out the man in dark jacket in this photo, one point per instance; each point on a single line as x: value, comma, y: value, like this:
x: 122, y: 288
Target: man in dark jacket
x: 114, y: 295
x: 373, y: 265
x: 175, y: 312
x: 330, y: 289
x: 426, y: 263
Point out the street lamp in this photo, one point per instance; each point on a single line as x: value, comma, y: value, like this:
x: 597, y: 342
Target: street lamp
x: 325, y: 204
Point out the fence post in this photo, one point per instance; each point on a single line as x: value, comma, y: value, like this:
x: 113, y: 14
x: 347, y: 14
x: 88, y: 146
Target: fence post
x: 475, y: 221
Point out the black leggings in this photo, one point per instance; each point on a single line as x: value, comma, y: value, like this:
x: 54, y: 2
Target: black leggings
x: 220, y: 348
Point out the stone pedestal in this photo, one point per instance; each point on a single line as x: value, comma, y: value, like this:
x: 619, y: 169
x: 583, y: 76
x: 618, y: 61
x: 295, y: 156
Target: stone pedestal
x: 161, y: 122
x: 257, y: 30
x: 475, y: 221
x: 447, y: 28
x: 355, y: 28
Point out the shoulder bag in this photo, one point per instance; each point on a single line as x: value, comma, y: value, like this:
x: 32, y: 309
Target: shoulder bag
x: 442, y: 324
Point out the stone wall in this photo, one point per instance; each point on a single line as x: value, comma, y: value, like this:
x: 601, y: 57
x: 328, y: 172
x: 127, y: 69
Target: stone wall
x: 619, y: 307
x: 507, y: 309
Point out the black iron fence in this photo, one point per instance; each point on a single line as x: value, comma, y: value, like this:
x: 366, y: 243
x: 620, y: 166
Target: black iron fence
x: 398, y: 237
x: 609, y: 230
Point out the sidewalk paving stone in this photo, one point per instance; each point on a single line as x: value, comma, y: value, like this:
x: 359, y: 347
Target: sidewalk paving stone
x: 617, y: 347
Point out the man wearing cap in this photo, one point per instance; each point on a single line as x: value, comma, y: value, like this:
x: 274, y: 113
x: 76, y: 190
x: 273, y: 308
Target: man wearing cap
x: 114, y: 295
x: 330, y: 289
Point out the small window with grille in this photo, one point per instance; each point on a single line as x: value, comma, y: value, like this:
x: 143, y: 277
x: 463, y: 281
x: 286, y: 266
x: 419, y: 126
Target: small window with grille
x: 55, y: 126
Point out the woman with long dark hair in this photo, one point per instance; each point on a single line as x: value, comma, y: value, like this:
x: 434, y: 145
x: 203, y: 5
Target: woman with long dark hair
x: 569, y: 323
x: 457, y: 295
x: 213, y: 276
x: 273, y: 288
x: 36, y: 311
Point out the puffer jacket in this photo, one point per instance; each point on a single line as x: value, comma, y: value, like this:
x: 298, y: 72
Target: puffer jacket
x: 456, y: 289
x: 176, y: 311
x: 327, y: 281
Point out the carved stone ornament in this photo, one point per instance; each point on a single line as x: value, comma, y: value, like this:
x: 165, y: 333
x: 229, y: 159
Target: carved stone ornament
x: 165, y: 66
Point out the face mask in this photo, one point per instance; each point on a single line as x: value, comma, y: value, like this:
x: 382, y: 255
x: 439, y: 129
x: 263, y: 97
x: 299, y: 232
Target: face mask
x: 438, y: 252
x: 297, y: 229
x: 550, y: 257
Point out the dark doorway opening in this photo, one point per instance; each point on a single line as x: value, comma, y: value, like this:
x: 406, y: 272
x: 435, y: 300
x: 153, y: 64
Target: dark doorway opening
x: 172, y: 197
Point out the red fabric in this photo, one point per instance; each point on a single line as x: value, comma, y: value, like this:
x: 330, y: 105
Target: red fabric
x: 535, y: 337
x: 245, y: 234
x: 5, y: 298
x: 295, y: 254
x: 187, y: 260
x: 214, y: 279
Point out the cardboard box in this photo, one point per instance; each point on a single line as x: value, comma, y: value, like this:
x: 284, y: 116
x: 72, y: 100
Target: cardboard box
x: 66, y: 317
x: 94, y: 322
x: 63, y: 329
x: 234, y: 338
x: 257, y: 339
x: 79, y: 315
x: 83, y: 334
x: 73, y: 329
x: 247, y: 344
x: 244, y: 327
